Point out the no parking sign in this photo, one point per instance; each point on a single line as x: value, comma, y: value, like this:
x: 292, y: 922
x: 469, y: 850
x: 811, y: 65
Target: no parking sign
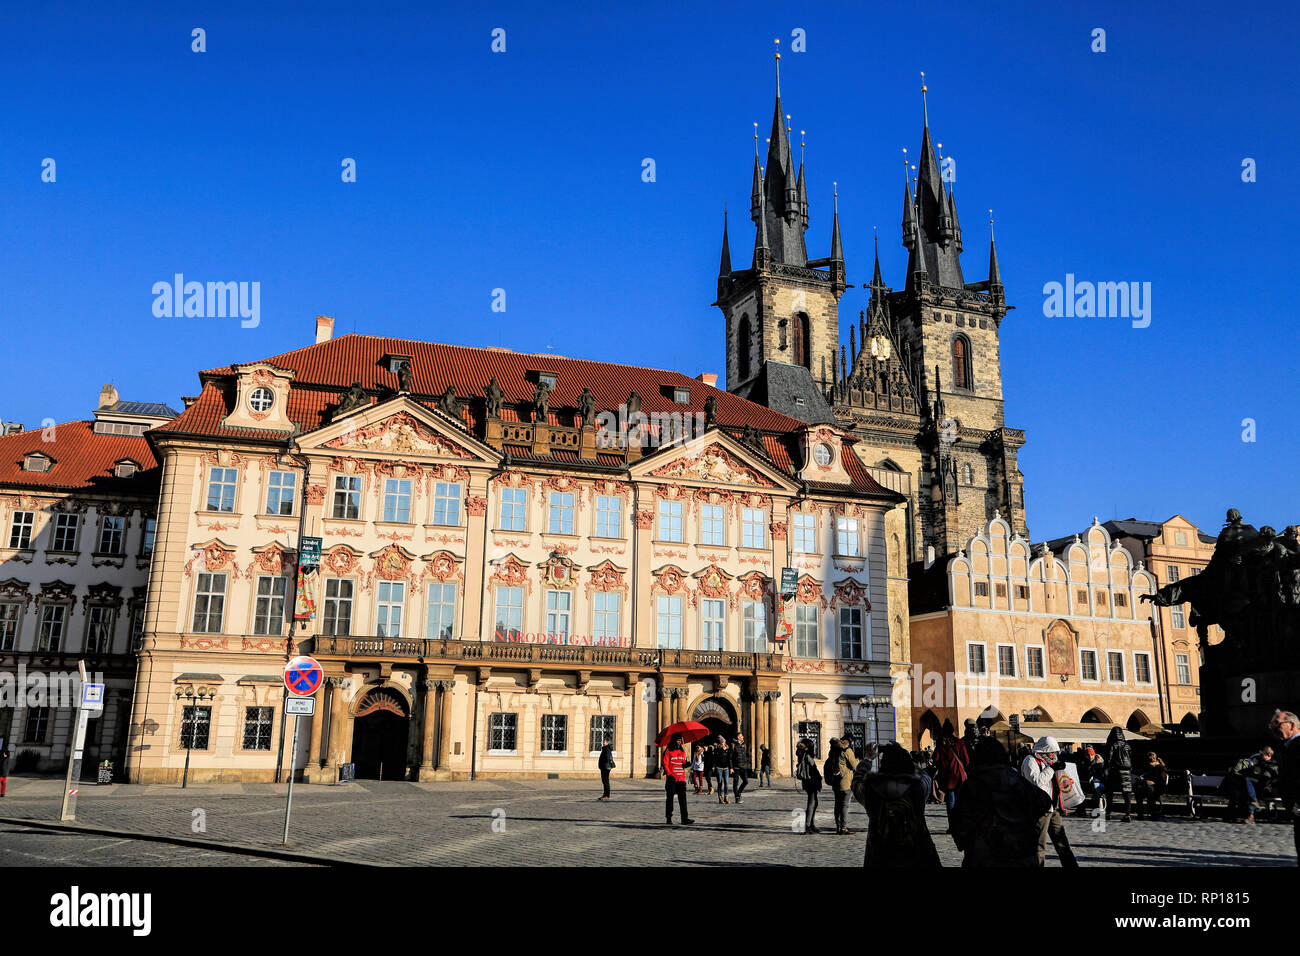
x: 303, y: 676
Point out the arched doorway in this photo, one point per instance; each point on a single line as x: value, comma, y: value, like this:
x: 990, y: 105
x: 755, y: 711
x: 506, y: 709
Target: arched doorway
x: 380, y: 734
x: 1189, y: 724
x: 1136, y: 721
x: 1095, y: 716
x: 929, y: 730
x: 718, y: 715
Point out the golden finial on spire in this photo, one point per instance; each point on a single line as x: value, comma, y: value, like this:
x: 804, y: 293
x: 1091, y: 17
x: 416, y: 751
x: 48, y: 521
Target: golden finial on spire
x: 756, y: 141
x: 990, y: 225
x: 835, y: 188
x: 777, y: 41
x: 925, y: 110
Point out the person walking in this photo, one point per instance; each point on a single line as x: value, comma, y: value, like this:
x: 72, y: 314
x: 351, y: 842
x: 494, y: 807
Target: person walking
x: 1286, y: 728
x: 1039, y: 768
x: 606, y: 764
x: 722, y: 766
x: 764, y: 766
x: 1119, y: 772
x: 894, y: 799
x: 4, y: 770
x: 845, y: 764
x: 697, y: 769
x: 951, y: 759
x: 739, y: 766
x: 675, y: 779
x: 995, y: 821
x: 1151, y: 786
x: 811, y: 779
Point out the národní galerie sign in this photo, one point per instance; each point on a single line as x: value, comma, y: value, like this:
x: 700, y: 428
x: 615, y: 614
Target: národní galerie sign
x: 574, y: 640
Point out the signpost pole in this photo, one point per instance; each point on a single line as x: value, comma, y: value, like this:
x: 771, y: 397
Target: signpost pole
x: 288, y: 804
x: 68, y: 810
x: 302, y: 678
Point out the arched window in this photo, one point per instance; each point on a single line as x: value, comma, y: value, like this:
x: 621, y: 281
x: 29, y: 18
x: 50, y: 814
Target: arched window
x: 961, y: 377
x: 967, y: 474
x: 742, y: 347
x: 800, y: 353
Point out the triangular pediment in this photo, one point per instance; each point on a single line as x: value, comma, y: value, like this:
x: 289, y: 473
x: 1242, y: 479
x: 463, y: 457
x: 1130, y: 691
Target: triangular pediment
x: 713, y: 458
x: 399, y: 427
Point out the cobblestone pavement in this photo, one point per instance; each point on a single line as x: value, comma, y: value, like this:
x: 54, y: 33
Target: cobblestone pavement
x: 32, y: 846
x: 550, y: 822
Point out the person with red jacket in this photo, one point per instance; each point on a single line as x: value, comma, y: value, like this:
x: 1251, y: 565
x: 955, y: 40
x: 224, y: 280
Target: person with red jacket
x: 675, y: 764
x: 951, y: 760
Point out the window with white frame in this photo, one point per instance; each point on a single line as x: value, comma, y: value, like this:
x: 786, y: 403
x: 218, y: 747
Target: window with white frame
x: 1088, y: 664
x: 804, y: 529
x: 559, y: 607
x: 555, y: 733
x: 513, y: 503
x: 440, y: 616
x: 509, y: 613
x: 53, y: 623
x: 503, y: 733
x: 1142, y: 667
x: 257, y: 728
x: 397, y: 500
x: 1006, y: 660
x: 347, y: 497
x: 561, y: 513
x: 851, y: 633
x: 446, y: 503
x: 1115, y: 666
x: 112, y: 531
x: 976, y: 662
x: 712, y: 526
x: 668, y: 621
x: 1174, y: 574
x: 337, y: 618
x: 1034, y: 661
x: 390, y: 598
x: 221, y: 489
x: 609, y: 509
x: 605, y: 607
x: 1176, y: 617
x: 1184, y: 667
x: 150, y: 529
x: 807, y: 642
x: 602, y: 729
x: 846, y: 537
x: 281, y: 492
x: 713, y: 624
x: 754, y: 619
x: 65, y: 533
x: 753, y: 528
x: 670, y: 521
x: 268, y: 606
x: 10, y: 616
x: 99, y: 628
x: 20, y: 531
x: 209, y: 602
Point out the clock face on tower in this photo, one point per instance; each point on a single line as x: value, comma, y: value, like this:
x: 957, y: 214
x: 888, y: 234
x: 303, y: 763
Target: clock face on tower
x: 880, y: 347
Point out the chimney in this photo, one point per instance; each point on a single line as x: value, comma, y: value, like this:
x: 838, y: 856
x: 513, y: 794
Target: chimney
x: 708, y: 378
x: 324, y: 328
x: 107, y: 396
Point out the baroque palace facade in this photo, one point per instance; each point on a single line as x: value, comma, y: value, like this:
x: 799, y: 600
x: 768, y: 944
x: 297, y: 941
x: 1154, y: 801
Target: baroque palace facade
x: 502, y: 583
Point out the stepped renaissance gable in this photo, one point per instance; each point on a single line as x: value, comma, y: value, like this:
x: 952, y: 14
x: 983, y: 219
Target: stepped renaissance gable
x: 521, y: 555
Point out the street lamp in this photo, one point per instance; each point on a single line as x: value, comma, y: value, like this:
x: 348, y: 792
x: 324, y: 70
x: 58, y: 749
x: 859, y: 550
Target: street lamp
x: 187, y: 692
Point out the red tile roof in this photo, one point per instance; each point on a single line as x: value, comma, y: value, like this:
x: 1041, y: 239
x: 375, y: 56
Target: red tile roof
x: 83, y: 461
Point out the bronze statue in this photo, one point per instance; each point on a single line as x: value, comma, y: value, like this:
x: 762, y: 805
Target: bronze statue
x: 448, y: 404
x: 710, y: 412
x: 541, y: 402
x: 494, y: 398
x: 404, y: 377
x: 354, y: 397
x: 633, y: 406
x: 587, y: 407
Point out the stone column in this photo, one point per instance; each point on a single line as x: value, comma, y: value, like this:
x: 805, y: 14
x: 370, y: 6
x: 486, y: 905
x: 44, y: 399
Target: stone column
x: 444, y: 725
x: 634, y: 750
x: 773, y: 725
x: 317, y: 724
x: 338, y: 724
x: 677, y: 704
x: 428, y: 714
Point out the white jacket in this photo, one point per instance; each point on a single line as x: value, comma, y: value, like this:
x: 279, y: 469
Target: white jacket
x: 1040, y: 774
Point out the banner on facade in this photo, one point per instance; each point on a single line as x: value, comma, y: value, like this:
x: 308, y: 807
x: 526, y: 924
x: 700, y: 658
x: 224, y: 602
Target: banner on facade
x: 309, y: 552
x: 789, y: 582
x: 304, y: 604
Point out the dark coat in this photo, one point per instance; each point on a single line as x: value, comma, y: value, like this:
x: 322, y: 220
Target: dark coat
x: 606, y: 761
x: 1119, y: 762
x: 874, y: 791
x: 739, y: 757
x: 708, y: 761
x: 4, y: 763
x: 995, y: 821
x: 1289, y: 771
x: 765, y: 759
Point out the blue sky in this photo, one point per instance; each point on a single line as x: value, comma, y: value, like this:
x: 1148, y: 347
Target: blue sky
x: 522, y: 171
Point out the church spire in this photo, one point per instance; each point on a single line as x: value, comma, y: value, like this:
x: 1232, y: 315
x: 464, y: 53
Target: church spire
x: 996, y: 289
x: 877, y: 282
x: 724, y: 264
x: 783, y: 213
x: 936, y: 219
x: 837, y: 249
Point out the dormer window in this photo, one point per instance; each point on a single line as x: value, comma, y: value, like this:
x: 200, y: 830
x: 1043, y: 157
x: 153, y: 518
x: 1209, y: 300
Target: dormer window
x: 395, y: 362
x: 125, y: 468
x: 261, y: 399
x: 682, y: 396
x: 547, y: 379
x: 37, y: 462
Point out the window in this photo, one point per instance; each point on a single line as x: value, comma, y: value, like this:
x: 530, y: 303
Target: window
x: 605, y: 617
x: 111, y: 531
x: 209, y: 603
x: 1180, y: 538
x: 1101, y: 597
x: 1022, y: 592
x: 559, y: 604
x: 37, y: 725
x: 602, y: 729
x: 388, y: 608
x: 137, y: 627
x: 1142, y: 667
x: 1006, y: 660
x: 805, y: 533
x: 221, y: 489
x: 397, y: 500
x: 755, y: 626
x: 1184, y: 668
x: 124, y: 469
x: 1176, y: 616
x: 682, y: 396
x: 510, y: 612
x: 65, y: 532
x: 194, y: 727
x: 555, y: 733
x: 99, y: 628
x: 799, y: 346
x: 967, y: 474
x: 1000, y: 590
x: 512, y: 509
x: 1081, y: 596
x: 981, y: 589
x: 1173, y: 573
x: 806, y: 637
x: 268, y: 613
x: 711, y: 525
x: 257, y: 728
x: 440, y: 621
x: 338, y: 606
x: 261, y: 399
x: 446, y: 503
x: 851, y: 633
x: 547, y: 379
x: 20, y: 532
x: 975, y: 662
x: 1121, y: 599
x: 754, y: 528
x: 960, y: 362
x: 561, y: 513
x: 670, y: 521
x: 857, y: 734
x: 1033, y: 662
x: 822, y: 454
x: 150, y: 529
x: 36, y: 463
x: 54, y: 618
x: 1088, y: 665
x: 1115, y: 666
x: 608, y: 516
x: 811, y: 731
x: 347, y: 497
x: 280, y: 492
x: 502, y: 733
x: 743, y: 364
x: 846, y: 537
x: 668, y: 621
x: 713, y: 626
x: 10, y: 615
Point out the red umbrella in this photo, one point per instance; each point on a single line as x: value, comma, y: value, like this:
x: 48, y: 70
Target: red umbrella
x: 690, y: 730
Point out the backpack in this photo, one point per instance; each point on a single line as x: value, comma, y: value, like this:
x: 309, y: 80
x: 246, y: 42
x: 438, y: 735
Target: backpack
x: 831, y: 770
x: 950, y: 768
x: 896, y: 824
x: 1010, y: 831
